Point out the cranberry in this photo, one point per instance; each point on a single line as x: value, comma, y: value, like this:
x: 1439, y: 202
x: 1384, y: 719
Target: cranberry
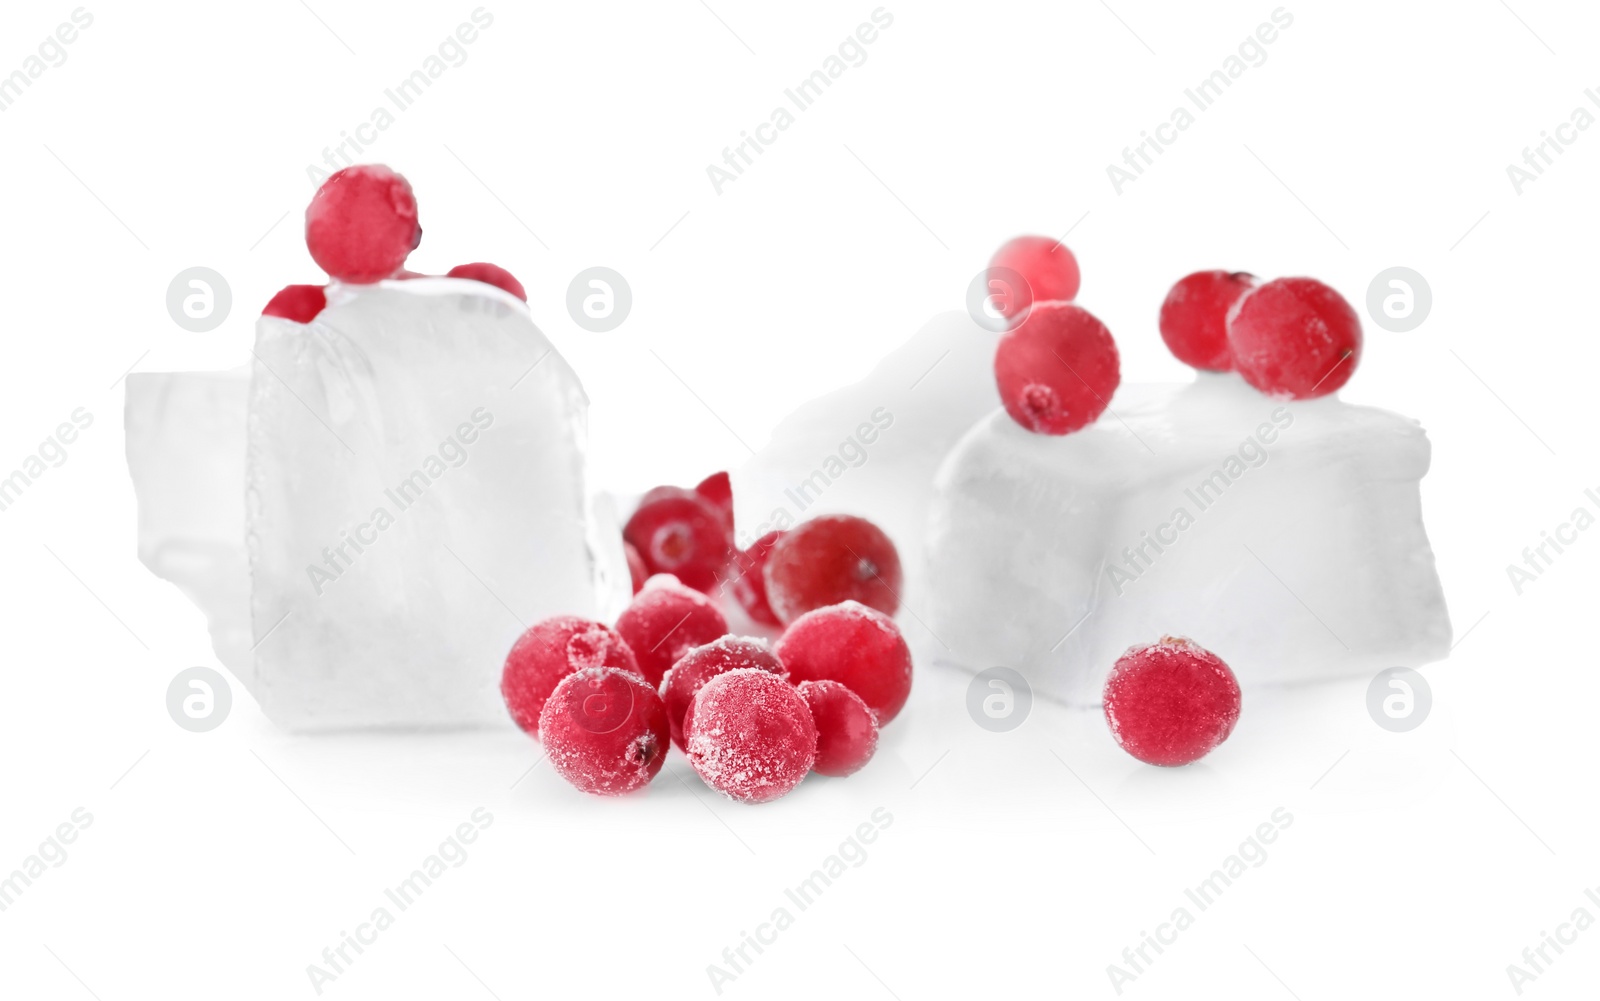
x: 300, y: 303
x: 1048, y: 270
x: 490, y: 274
x: 853, y: 644
x: 679, y: 532
x: 847, y: 731
x: 1057, y: 369
x: 749, y: 584
x: 1170, y: 703
x: 1194, y: 317
x: 833, y: 558
x: 718, y: 489
x: 665, y: 621
x: 750, y: 735
x: 551, y: 650
x: 1295, y: 338
x: 362, y: 224
x: 605, y: 731
x: 636, y: 568
x: 700, y: 665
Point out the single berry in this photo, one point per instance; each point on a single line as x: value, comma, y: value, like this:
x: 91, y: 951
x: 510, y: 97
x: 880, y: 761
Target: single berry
x: 1170, y: 703
x: 605, y: 731
x: 749, y: 582
x: 853, y: 644
x: 362, y: 223
x: 551, y: 650
x: 679, y: 532
x: 718, y: 489
x: 1295, y: 338
x: 300, y: 303
x: 847, y: 731
x: 637, y: 571
x: 665, y: 621
x: 1057, y: 369
x: 750, y: 735
x: 1194, y: 317
x: 490, y: 274
x: 829, y: 559
x: 700, y: 665
x: 1049, y: 273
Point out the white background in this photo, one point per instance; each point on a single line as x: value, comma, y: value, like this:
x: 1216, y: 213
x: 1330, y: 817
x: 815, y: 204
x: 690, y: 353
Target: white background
x: 1020, y: 865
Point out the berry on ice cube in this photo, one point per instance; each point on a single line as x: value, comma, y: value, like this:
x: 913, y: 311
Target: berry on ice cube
x: 847, y: 731
x: 1295, y: 338
x: 1171, y: 702
x: 700, y: 665
x: 1057, y: 369
x: 551, y: 650
x: 300, y: 303
x: 1048, y: 270
x: 605, y: 731
x: 490, y: 274
x: 1194, y: 317
x: 853, y: 644
x: 665, y: 621
x: 750, y: 735
x: 362, y: 224
x: 830, y: 559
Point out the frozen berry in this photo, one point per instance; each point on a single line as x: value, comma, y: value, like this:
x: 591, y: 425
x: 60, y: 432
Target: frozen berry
x: 1049, y: 272
x: 718, y: 489
x: 300, y: 303
x: 679, y: 532
x: 551, y: 650
x: 1057, y: 369
x: 665, y: 621
x: 362, y: 223
x: 1194, y: 317
x: 636, y: 568
x: 829, y: 559
x: 700, y: 665
x: 750, y: 735
x: 1170, y: 703
x: 490, y: 274
x: 1295, y: 338
x: 853, y: 644
x: 748, y: 582
x: 847, y: 731
x: 605, y: 731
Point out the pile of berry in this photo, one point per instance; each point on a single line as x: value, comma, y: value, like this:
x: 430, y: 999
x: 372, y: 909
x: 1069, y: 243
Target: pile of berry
x: 361, y: 226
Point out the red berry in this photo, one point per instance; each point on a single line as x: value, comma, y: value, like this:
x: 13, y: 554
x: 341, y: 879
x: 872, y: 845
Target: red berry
x: 679, y: 532
x: 1295, y: 338
x: 605, y: 731
x: 853, y: 644
x: 718, y: 489
x: 749, y: 583
x: 665, y: 621
x: 1170, y: 703
x: 847, y: 731
x: 750, y: 735
x: 700, y: 665
x: 551, y: 650
x: 636, y: 568
x: 300, y: 303
x: 490, y: 274
x: 834, y: 558
x: 1057, y: 369
x: 362, y: 223
x: 1048, y: 270
x: 1194, y: 317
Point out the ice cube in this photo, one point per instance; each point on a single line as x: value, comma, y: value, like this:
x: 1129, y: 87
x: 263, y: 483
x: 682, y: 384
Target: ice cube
x: 1285, y: 536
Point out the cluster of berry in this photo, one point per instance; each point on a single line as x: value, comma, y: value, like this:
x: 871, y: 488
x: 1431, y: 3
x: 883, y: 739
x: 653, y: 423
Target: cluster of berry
x: 361, y: 226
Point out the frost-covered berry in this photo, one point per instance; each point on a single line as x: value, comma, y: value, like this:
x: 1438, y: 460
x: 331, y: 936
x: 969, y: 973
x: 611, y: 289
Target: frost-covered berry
x: 1194, y: 317
x: 750, y: 736
x: 362, y: 224
x: 300, y: 303
x: 665, y: 621
x: 853, y: 644
x: 1057, y: 369
x: 638, y: 573
x: 1295, y: 338
x: 605, y: 731
x: 700, y: 665
x: 679, y: 532
x: 847, y: 731
x: 1170, y: 703
x: 1047, y: 267
x: 551, y: 650
x: 490, y: 274
x: 748, y: 581
x: 718, y: 489
x: 829, y: 559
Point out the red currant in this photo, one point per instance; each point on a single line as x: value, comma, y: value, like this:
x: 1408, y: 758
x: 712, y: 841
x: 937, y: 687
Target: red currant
x: 1194, y: 317
x: 679, y: 532
x: 637, y: 571
x: 300, y: 303
x: 605, y: 731
x: 362, y: 224
x: 829, y: 559
x: 1048, y: 269
x: 1295, y: 338
x: 853, y: 644
x: 718, y: 489
x: 551, y: 650
x: 665, y: 621
x: 1057, y: 369
x: 700, y: 665
x: 490, y: 274
x: 847, y: 731
x: 750, y: 735
x: 749, y: 584
x: 1170, y: 703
